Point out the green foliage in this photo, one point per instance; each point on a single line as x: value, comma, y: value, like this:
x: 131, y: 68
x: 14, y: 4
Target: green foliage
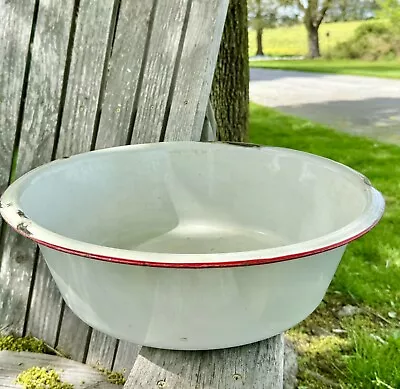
x: 374, y: 28
x: 41, y: 378
x: 390, y: 10
x: 364, y: 354
x: 262, y: 13
x: 27, y: 343
x: 342, y: 10
x: 113, y: 377
x: 370, y: 41
x: 373, y: 361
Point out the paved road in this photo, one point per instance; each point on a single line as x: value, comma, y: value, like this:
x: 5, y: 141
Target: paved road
x: 359, y: 105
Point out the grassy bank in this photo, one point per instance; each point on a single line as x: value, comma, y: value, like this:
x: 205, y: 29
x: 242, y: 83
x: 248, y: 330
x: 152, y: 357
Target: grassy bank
x: 359, y: 350
x: 293, y: 40
x: 385, y: 69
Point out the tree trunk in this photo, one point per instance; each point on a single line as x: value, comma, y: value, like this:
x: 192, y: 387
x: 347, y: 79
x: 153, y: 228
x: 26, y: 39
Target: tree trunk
x: 230, y: 92
x: 259, y: 42
x: 313, y: 42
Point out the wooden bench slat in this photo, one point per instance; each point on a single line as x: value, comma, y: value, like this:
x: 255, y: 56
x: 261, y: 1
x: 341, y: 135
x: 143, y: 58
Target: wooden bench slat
x: 101, y: 350
x: 44, y: 95
x: 89, y: 59
x: 158, y: 75
x: 254, y: 366
x: 38, y: 128
x: 196, y: 70
x: 93, y: 35
x: 124, y: 73
x: 125, y: 357
x: 45, y: 308
x: 16, y: 22
x: 79, y: 375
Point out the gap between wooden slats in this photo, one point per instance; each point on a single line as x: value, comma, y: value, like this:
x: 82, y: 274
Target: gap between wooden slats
x: 89, y: 63
x: 16, y: 34
x: 158, y: 74
x: 126, y: 68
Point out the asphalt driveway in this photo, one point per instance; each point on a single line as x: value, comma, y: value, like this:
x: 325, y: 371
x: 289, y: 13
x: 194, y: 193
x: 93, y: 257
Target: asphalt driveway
x: 359, y: 105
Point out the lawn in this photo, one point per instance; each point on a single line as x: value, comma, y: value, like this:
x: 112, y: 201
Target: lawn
x: 292, y: 41
x: 361, y: 350
x: 386, y: 69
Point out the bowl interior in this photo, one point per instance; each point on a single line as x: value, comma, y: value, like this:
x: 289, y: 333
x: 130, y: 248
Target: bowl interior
x: 193, y: 198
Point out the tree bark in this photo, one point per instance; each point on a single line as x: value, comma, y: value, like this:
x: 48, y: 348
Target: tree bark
x: 313, y: 42
x: 259, y: 42
x: 230, y: 92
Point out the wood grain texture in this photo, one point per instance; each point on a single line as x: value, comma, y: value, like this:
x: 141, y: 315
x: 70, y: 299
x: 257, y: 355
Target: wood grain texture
x: 122, y: 82
x: 90, y: 52
x: 101, y: 350
x: 79, y: 375
x: 196, y: 69
x: 15, y: 278
x: 89, y: 57
x: 15, y: 273
x: 44, y: 313
x: 254, y: 366
x: 42, y: 103
x: 73, y: 337
x: 124, y: 72
x: 15, y: 29
x: 126, y: 356
x: 158, y: 74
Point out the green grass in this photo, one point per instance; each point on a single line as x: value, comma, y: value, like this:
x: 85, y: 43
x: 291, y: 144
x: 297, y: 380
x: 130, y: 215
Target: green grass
x: 386, y: 69
x: 367, y: 354
x: 292, y: 41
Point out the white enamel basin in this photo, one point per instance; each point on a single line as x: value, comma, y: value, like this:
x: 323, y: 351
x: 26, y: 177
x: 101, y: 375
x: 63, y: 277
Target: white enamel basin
x: 188, y: 245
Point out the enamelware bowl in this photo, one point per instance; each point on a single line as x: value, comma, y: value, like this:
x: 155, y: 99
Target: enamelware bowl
x: 189, y: 245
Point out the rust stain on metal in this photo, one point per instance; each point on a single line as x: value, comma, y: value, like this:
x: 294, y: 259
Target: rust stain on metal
x: 23, y: 227
x: 244, y: 144
x: 22, y: 214
x: 366, y: 181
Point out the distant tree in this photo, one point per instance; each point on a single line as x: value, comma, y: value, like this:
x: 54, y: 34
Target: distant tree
x: 262, y: 14
x: 390, y: 9
x: 314, y: 12
x: 342, y: 10
x: 288, y: 20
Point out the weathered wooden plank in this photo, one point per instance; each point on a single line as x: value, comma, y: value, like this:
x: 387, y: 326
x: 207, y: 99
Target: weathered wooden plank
x: 92, y: 44
x: 126, y: 356
x: 196, y: 69
x: 159, y: 71
x: 85, y: 82
x: 15, y: 277
x: 42, y: 103
x: 101, y: 350
x: 44, y: 312
x: 124, y: 77
x: 255, y: 366
x: 15, y: 34
x: 74, y: 336
x: 15, y: 29
x: 79, y: 375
